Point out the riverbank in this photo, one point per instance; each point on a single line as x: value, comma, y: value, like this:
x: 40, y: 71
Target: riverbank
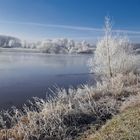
x: 22, y: 50
x: 126, y: 125
x: 70, y: 114
x: 38, y: 50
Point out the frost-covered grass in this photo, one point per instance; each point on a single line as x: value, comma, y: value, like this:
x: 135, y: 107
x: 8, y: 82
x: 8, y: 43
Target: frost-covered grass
x: 69, y: 113
x: 125, y: 126
x: 62, y: 117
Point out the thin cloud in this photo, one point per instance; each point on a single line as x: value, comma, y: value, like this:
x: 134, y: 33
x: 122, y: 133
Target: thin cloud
x: 69, y: 27
x: 54, y: 26
x: 127, y: 31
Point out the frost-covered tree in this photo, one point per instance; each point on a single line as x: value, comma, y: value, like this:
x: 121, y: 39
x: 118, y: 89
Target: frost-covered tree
x: 64, y: 46
x: 14, y: 43
x: 114, y: 54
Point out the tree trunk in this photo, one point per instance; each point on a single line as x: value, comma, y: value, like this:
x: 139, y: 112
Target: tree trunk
x: 108, y: 56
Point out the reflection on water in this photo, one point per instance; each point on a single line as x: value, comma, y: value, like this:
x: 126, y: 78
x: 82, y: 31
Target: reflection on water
x: 23, y: 76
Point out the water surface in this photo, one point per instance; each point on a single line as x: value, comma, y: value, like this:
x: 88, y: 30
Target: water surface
x: 26, y: 75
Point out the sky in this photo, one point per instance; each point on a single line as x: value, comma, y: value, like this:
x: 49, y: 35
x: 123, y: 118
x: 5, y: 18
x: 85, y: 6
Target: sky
x: 76, y: 19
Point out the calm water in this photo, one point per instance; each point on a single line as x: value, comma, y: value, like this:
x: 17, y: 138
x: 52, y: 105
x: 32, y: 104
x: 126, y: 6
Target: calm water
x: 25, y: 75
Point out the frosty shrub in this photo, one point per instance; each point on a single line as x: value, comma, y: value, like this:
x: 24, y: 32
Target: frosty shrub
x: 114, y: 54
x: 120, y: 86
x: 59, y: 118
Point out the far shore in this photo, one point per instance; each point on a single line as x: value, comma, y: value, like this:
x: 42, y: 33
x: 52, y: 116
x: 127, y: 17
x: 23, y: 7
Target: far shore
x: 24, y: 50
x: 35, y: 50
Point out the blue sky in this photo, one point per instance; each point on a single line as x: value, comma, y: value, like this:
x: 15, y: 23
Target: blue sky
x: 36, y: 19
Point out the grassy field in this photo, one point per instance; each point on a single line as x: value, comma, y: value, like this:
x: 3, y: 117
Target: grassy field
x: 125, y: 126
